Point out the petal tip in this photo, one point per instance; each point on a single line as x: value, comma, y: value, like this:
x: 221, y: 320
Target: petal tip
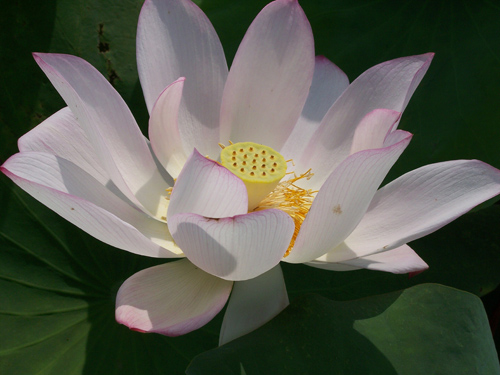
x: 133, y: 318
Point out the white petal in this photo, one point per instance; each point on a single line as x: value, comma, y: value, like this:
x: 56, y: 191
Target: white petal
x: 172, y: 299
x: 422, y: 201
x: 164, y: 131
x: 388, y: 85
x: 270, y: 77
x: 373, y: 129
x: 82, y: 200
x: 110, y: 127
x: 327, y: 85
x: 399, y: 260
x: 253, y: 303
x: 236, y: 248
x: 206, y: 188
x: 61, y: 135
x: 342, y: 201
x: 175, y: 39
x: 395, y: 137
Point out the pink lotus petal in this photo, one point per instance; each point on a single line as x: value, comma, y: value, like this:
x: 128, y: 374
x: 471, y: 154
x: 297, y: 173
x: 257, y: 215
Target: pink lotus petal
x: 83, y: 201
x: 164, y: 130
x: 422, y: 201
x: 270, y: 77
x: 342, y: 201
x: 253, y: 303
x: 373, y: 129
x: 206, y: 188
x: 61, y: 135
x: 234, y: 248
x: 110, y: 127
x: 399, y: 260
x: 172, y: 299
x: 175, y: 39
x: 388, y: 85
x: 395, y: 137
x: 328, y: 83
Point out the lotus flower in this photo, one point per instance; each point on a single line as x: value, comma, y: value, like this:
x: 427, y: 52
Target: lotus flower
x: 303, y: 154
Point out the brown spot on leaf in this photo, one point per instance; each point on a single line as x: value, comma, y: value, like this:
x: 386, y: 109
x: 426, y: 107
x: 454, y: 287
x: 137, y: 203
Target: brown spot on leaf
x: 104, y: 48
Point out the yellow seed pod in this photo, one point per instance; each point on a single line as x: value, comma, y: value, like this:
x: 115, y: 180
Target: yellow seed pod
x: 258, y: 166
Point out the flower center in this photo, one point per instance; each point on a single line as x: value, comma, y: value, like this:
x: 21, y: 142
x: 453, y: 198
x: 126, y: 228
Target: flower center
x: 261, y: 169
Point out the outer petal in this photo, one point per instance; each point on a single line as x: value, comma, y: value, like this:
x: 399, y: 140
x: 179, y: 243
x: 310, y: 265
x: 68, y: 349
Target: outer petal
x: 175, y: 39
x: 82, y: 200
x: 172, y: 299
x: 164, y: 131
x: 328, y: 83
x: 399, y: 260
x: 422, y: 201
x: 236, y: 248
x: 206, y: 188
x: 110, y: 128
x: 342, y: 201
x: 253, y: 303
x: 373, y: 129
x: 388, y: 85
x: 61, y: 135
x: 270, y: 77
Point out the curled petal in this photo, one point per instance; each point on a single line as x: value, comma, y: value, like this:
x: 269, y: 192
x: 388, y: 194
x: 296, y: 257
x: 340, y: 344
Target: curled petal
x: 395, y: 137
x: 373, y: 129
x: 234, y: 248
x: 176, y: 39
x: 270, y: 77
x: 342, y: 201
x: 164, y: 130
x: 253, y: 303
x: 399, y: 260
x: 206, y: 188
x: 388, y: 85
x: 422, y: 201
x: 171, y: 299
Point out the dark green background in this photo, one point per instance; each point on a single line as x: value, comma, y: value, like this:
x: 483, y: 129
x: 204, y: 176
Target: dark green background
x: 57, y: 285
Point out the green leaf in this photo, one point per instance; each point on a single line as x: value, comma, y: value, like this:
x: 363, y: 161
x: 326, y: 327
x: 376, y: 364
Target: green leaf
x: 427, y: 329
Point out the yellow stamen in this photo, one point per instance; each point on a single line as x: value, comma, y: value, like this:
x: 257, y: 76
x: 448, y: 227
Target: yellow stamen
x: 260, y: 175
x: 291, y: 199
x: 169, y: 193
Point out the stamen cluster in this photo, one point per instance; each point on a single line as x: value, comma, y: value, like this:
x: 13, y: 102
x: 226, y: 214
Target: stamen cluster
x: 293, y: 200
